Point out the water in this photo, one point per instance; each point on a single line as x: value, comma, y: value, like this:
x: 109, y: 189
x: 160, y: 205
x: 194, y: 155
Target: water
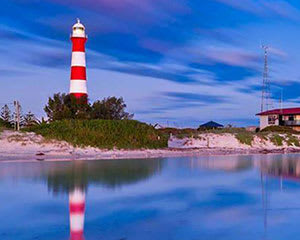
x: 226, y: 197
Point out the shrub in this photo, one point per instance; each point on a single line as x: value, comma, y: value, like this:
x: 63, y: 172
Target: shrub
x: 66, y: 106
x: 4, y: 125
x: 279, y: 129
x: 245, y: 137
x: 277, y: 139
x: 293, y: 141
x: 106, y: 134
x: 179, y: 133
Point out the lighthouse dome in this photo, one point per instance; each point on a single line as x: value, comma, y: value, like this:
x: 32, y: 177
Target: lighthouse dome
x: 78, y: 29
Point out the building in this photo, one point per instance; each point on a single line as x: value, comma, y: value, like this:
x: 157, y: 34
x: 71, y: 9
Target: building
x: 78, y: 86
x: 210, y: 125
x: 289, y: 117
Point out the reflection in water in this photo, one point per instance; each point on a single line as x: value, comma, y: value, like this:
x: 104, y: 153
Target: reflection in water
x: 283, y: 167
x: 233, y: 164
x: 64, y: 177
x: 73, y: 178
x: 287, y: 168
x: 213, y: 191
x: 279, y: 166
x: 111, y: 174
x: 77, y: 208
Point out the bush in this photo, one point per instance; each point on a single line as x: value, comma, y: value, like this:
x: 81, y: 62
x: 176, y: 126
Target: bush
x: 179, y: 133
x: 245, y: 137
x: 280, y: 129
x: 292, y: 141
x: 66, y: 106
x: 4, y: 124
x: 277, y: 140
x: 106, y: 134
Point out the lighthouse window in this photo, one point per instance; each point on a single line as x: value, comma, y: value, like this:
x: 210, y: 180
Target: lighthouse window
x: 81, y: 28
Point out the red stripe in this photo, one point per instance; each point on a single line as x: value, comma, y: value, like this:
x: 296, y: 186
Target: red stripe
x: 79, y: 95
x: 77, y: 208
x: 78, y: 235
x: 78, y: 73
x: 78, y: 44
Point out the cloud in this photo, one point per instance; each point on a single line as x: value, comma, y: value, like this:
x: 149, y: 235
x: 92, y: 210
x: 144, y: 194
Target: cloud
x: 231, y: 56
x: 142, y: 12
x: 188, y: 97
x: 169, y: 59
x: 265, y: 8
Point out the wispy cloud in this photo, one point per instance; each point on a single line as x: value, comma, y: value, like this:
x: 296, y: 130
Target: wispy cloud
x: 169, y: 59
x: 189, y: 97
x: 265, y: 8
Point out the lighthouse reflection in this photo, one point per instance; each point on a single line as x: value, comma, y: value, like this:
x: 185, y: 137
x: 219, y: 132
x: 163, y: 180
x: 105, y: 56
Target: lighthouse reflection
x: 74, y: 178
x: 148, y: 199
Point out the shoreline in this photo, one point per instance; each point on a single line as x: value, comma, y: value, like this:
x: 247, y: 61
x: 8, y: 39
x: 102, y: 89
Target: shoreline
x: 139, y: 154
x: 30, y: 147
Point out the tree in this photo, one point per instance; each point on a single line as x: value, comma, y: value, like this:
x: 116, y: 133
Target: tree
x: 111, y: 108
x: 66, y: 106
x: 29, y: 120
x: 6, y: 115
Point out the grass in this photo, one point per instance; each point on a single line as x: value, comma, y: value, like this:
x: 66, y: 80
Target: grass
x: 277, y: 139
x: 292, y: 140
x: 179, y: 133
x: 104, y: 134
x: 245, y: 137
x: 280, y: 129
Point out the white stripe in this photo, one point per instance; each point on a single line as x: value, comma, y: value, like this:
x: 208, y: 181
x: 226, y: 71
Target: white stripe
x: 79, y: 33
x: 77, y: 196
x: 76, y: 222
x: 78, y: 59
x: 78, y: 86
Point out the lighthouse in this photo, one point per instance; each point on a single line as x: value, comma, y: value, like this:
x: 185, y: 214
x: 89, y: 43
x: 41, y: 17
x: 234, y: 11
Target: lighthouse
x: 78, y: 86
x: 77, y: 208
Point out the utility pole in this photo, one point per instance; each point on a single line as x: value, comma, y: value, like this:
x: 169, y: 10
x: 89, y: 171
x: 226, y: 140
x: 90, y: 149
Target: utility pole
x: 17, y: 115
x: 266, y: 89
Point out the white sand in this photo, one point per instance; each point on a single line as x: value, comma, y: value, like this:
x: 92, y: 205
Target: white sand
x: 29, y: 146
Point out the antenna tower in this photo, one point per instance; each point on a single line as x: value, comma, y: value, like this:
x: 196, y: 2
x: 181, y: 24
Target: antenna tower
x: 266, y: 89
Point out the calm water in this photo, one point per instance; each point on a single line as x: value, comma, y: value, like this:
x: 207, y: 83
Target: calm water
x: 246, y: 197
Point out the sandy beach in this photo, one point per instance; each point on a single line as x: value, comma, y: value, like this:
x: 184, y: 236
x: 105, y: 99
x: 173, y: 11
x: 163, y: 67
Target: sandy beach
x: 19, y: 146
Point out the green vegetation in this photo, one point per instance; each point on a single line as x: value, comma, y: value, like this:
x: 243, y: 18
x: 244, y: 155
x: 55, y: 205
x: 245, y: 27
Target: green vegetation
x: 245, y: 137
x: 66, y: 106
x: 279, y: 129
x: 4, y: 125
x: 105, y: 134
x: 292, y: 140
x: 277, y: 139
x: 5, y: 117
x: 62, y: 177
x: 179, y: 133
x: 1, y: 125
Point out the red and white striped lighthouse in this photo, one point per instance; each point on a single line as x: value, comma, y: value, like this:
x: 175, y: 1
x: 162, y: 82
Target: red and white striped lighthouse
x: 77, y: 208
x: 78, y: 86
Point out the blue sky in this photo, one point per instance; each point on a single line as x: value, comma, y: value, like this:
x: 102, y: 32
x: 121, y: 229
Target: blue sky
x: 175, y: 62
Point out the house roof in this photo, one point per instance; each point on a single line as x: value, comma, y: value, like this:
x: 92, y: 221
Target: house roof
x: 284, y: 111
x: 211, y: 124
